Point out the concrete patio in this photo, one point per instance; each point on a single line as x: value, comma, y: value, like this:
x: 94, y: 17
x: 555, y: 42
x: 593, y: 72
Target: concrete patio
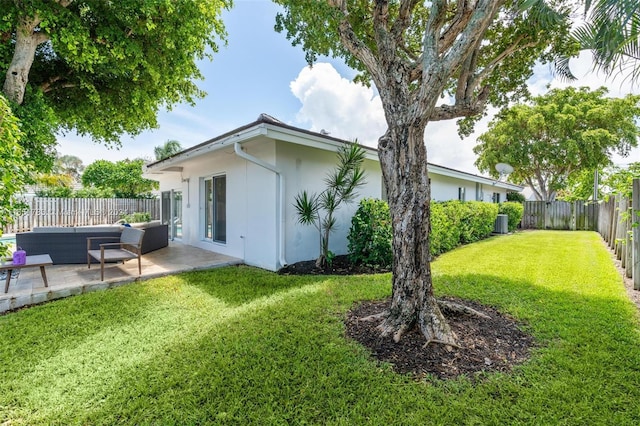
x: 67, y: 280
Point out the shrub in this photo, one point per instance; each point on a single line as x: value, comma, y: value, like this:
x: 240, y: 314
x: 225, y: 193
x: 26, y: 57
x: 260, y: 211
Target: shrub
x: 477, y: 220
x: 93, y: 192
x: 516, y: 197
x: 514, y: 211
x: 370, y: 236
x: 454, y: 223
x: 445, y: 232
x: 136, y: 217
x: 54, y: 192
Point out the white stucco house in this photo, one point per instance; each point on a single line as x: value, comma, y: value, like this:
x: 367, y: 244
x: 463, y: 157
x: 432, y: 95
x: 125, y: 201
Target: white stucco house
x: 234, y: 194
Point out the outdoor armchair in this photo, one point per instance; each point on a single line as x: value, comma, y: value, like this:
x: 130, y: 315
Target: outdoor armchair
x: 129, y: 247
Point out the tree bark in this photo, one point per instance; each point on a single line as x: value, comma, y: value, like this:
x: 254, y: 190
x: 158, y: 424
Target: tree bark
x: 27, y: 40
x: 403, y: 158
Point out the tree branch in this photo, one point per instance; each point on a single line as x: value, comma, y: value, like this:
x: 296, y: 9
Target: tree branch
x: 354, y: 45
x: 462, y: 108
x: 480, y: 77
x: 464, y: 41
x: 459, y: 21
x: 403, y: 20
x: 529, y: 182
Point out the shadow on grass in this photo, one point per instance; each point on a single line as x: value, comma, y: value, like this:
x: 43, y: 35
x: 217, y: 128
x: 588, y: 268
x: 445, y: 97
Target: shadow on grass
x: 238, y: 285
x: 287, y: 361
x: 42, y: 330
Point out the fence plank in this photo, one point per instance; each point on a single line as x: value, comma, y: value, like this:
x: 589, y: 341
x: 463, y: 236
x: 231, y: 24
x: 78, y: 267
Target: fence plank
x: 636, y: 234
x: 563, y: 215
x: 78, y: 212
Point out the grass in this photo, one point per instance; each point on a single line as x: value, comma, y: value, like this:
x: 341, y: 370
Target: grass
x: 244, y: 346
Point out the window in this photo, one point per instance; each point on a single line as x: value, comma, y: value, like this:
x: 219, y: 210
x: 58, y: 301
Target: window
x: 215, y: 220
x: 496, y: 197
x: 461, y: 196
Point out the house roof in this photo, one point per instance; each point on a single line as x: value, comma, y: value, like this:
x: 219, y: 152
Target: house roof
x: 271, y: 127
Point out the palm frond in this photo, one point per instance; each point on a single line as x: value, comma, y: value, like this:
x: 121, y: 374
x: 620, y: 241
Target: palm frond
x: 307, y: 208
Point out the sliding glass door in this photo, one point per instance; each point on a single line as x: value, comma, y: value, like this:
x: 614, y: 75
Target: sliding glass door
x: 215, y: 220
x: 172, y: 212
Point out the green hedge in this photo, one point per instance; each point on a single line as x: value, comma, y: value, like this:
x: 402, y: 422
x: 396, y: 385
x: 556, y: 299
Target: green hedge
x: 514, y: 211
x: 455, y: 222
x: 370, y: 235
x: 452, y: 223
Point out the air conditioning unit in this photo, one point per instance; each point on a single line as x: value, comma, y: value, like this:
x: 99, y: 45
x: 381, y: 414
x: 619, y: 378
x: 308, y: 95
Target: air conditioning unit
x: 501, y: 225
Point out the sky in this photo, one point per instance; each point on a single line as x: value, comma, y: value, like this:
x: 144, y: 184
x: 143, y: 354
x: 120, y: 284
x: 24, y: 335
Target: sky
x: 259, y: 71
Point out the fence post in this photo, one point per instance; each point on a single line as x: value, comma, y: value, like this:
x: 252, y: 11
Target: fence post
x: 629, y: 243
x: 636, y: 234
x: 621, y: 227
x: 614, y: 222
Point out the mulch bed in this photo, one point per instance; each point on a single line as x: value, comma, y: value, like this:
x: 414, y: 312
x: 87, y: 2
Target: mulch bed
x: 340, y: 266
x: 486, y: 345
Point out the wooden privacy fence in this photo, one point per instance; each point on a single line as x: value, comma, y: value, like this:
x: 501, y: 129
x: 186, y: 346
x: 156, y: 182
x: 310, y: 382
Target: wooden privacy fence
x: 78, y: 212
x: 576, y: 216
x: 619, y: 226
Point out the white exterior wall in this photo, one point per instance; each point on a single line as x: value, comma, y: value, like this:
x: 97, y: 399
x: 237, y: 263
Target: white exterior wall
x: 250, y: 202
x: 445, y: 188
x: 305, y: 169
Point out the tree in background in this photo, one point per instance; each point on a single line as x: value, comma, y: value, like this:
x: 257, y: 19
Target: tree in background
x: 580, y: 186
x: 169, y: 148
x: 54, y: 185
x: 14, y: 171
x: 69, y: 165
x: 558, y: 135
x: 418, y: 54
x: 64, y: 177
x: 342, y: 185
x: 102, y: 68
x: 619, y: 180
x: 123, y: 177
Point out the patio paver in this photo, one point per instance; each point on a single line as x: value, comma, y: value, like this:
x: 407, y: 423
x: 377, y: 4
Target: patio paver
x: 67, y: 280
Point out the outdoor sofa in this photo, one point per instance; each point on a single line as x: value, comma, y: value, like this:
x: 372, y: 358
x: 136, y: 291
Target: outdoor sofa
x: 69, y: 245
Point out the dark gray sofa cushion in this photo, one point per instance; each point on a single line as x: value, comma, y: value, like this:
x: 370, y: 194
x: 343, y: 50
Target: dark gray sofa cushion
x: 71, y: 247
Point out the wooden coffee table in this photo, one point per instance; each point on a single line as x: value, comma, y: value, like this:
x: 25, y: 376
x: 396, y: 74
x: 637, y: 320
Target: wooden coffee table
x: 40, y: 260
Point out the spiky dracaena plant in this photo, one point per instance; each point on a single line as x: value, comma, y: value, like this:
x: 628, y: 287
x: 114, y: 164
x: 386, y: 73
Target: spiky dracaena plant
x: 341, y: 188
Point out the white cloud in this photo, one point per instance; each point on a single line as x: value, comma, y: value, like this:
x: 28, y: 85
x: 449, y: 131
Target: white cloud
x: 341, y: 107
x: 350, y: 110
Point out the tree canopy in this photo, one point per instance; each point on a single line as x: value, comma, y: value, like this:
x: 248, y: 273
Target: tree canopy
x: 103, y: 68
x: 619, y: 180
x: 123, y: 177
x: 14, y: 172
x: 558, y: 135
x: 69, y: 165
x: 166, y: 150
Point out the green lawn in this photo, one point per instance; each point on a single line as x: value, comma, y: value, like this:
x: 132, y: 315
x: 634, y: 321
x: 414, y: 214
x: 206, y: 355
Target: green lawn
x: 243, y: 346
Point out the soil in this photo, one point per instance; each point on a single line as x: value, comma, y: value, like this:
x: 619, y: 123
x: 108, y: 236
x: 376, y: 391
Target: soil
x: 339, y: 266
x: 486, y: 345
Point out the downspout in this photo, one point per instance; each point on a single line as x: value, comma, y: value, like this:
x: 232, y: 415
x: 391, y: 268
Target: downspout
x: 280, y: 178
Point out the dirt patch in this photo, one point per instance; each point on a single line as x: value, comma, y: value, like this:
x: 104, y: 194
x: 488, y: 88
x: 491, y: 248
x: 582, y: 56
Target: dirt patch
x: 486, y: 345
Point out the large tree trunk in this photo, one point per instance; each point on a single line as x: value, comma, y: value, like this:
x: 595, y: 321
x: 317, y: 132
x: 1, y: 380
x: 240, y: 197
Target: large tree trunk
x: 17, y: 77
x: 403, y: 158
